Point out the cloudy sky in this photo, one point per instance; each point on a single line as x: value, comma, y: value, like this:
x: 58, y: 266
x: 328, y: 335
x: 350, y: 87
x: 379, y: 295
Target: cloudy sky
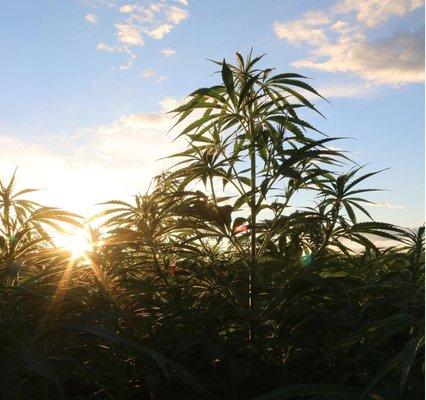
x: 85, y: 85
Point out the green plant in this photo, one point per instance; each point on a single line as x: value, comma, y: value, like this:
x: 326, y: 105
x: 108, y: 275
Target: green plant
x: 156, y: 306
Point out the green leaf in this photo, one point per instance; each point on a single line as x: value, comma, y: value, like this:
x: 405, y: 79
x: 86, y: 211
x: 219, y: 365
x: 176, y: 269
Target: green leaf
x: 228, y: 80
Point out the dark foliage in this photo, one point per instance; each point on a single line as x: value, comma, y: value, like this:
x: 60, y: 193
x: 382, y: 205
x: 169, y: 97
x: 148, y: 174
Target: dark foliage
x: 214, y: 285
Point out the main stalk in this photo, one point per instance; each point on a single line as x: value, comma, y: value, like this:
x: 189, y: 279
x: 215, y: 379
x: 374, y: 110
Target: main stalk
x: 252, y: 275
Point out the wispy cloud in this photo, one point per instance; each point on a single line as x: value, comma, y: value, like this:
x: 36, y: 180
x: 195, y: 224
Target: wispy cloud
x: 134, y: 22
x: 129, y: 34
x: 114, y: 160
x: 308, y: 28
x: 160, y: 31
x: 372, y: 13
x: 345, y: 89
x: 91, y: 18
x: 127, y: 8
x: 390, y: 206
x: 119, y: 49
x: 176, y: 15
x: 127, y: 65
x: 104, y: 47
x: 341, y: 39
x: 148, y: 73
x: 168, y: 53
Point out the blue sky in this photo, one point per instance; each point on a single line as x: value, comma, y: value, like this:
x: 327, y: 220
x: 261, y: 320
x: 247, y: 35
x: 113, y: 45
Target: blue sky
x: 86, y: 83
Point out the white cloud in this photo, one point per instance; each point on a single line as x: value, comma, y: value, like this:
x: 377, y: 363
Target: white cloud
x: 129, y: 64
x: 132, y: 19
x: 176, y: 15
x: 378, y: 242
x: 160, y: 31
x: 114, y: 160
x: 340, y: 40
x: 129, y: 34
x: 344, y: 90
x: 127, y: 8
x: 168, y: 53
x: 170, y: 103
x: 119, y: 49
x: 135, y: 140
x: 306, y: 29
x: 104, y: 47
x: 148, y: 73
x: 372, y: 13
x: 387, y: 205
x: 91, y: 18
x: 395, y: 60
x: 161, y: 78
x: 156, y: 7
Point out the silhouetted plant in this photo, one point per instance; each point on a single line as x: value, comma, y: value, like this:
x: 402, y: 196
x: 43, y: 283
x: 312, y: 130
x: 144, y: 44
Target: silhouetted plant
x: 156, y: 306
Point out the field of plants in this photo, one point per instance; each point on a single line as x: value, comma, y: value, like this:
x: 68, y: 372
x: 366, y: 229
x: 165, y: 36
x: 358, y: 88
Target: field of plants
x: 250, y: 270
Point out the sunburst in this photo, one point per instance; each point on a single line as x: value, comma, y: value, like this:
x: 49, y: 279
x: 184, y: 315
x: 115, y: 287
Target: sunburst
x: 76, y: 242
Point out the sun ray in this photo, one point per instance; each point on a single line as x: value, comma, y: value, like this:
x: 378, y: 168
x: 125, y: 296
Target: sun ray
x: 76, y: 242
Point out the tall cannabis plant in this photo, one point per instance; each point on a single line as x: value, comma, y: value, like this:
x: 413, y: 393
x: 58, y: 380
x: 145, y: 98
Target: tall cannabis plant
x: 247, y: 131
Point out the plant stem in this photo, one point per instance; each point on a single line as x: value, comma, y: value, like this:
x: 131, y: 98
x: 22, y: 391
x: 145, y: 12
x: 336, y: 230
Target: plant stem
x: 157, y: 266
x: 213, y: 191
x: 335, y: 214
x: 252, y: 275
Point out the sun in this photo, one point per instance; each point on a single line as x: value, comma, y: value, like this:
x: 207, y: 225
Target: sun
x: 77, y: 243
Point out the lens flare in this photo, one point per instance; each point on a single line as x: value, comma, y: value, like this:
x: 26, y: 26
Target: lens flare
x: 76, y: 243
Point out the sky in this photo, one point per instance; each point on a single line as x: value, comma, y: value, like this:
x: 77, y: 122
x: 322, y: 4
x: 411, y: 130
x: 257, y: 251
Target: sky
x: 86, y: 85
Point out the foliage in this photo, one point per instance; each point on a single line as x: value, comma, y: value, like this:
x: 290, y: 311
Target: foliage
x: 215, y: 285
